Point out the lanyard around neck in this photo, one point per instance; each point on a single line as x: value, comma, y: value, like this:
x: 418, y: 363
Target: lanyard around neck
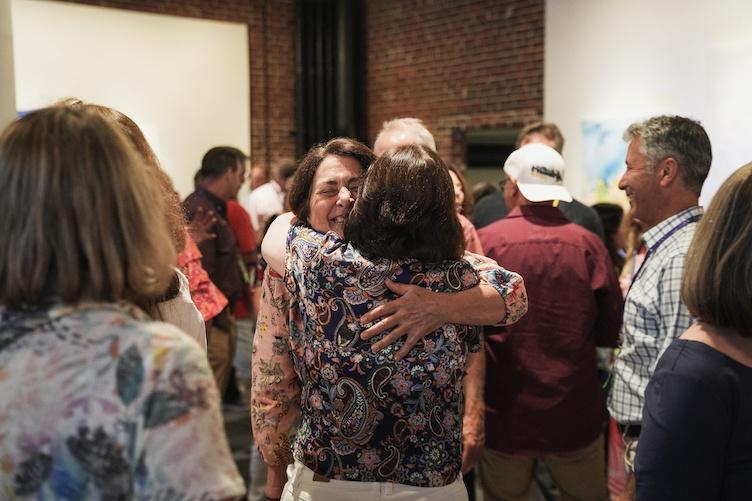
x: 653, y: 248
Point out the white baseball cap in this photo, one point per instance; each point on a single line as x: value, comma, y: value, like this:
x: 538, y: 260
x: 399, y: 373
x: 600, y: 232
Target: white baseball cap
x: 538, y: 171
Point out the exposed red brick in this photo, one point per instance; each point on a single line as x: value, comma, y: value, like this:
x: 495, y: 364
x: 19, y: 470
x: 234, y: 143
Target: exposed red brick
x: 456, y: 64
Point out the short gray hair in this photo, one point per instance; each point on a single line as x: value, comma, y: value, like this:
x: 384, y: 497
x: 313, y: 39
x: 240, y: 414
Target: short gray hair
x: 413, y: 126
x: 681, y: 138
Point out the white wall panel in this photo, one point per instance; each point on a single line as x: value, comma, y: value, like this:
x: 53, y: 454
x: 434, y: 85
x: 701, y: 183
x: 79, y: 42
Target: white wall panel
x: 184, y: 81
x: 615, y: 60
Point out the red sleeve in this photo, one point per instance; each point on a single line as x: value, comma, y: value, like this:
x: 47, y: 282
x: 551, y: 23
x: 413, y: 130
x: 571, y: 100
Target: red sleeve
x: 240, y: 222
x: 206, y: 296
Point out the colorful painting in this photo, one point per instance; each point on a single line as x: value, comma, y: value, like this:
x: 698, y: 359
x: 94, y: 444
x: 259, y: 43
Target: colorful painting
x: 603, y: 153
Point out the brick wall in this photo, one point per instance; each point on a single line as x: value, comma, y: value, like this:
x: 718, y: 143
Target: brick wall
x: 272, y: 79
x: 456, y: 64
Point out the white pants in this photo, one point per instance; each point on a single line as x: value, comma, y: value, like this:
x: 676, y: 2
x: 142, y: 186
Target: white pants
x: 301, y: 487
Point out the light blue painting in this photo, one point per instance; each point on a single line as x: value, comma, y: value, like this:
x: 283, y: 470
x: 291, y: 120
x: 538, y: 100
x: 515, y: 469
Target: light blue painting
x: 603, y: 153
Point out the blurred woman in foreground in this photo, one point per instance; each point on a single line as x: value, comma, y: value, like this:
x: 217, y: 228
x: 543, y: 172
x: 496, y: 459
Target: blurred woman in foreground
x: 696, y: 438
x: 184, y: 304
x: 98, y: 401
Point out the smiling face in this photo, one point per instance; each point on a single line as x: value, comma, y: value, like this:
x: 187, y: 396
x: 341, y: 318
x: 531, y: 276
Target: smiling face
x: 333, y: 190
x: 641, y: 184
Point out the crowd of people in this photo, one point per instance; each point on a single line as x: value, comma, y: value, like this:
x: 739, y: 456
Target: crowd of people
x: 394, y: 337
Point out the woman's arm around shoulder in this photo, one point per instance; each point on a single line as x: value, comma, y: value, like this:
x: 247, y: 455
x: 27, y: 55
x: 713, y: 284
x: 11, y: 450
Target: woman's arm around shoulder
x: 274, y: 244
x: 509, y: 286
x: 499, y: 299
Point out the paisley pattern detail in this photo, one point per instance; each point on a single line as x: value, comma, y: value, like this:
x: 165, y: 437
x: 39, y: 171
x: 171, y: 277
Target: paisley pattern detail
x: 327, y: 461
x: 371, y: 277
x: 366, y: 415
x: 99, y: 402
x: 390, y: 463
x: 455, y: 275
x: 298, y: 360
x: 434, y: 422
x: 356, y: 416
x: 345, y: 333
x: 379, y: 380
x: 306, y: 250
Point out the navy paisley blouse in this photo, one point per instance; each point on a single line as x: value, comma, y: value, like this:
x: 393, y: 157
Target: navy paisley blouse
x: 365, y: 416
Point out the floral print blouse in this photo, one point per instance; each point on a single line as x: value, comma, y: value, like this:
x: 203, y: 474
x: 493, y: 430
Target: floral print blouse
x: 99, y: 402
x: 206, y: 296
x: 365, y: 416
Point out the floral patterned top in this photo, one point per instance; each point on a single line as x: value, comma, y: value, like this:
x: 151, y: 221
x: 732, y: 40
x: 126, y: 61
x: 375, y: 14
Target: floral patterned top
x: 366, y: 417
x: 206, y: 296
x: 99, y: 402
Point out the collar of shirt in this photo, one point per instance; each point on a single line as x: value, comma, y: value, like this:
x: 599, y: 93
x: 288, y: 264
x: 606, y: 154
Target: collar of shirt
x: 657, y: 232
x: 537, y: 210
x: 220, y: 206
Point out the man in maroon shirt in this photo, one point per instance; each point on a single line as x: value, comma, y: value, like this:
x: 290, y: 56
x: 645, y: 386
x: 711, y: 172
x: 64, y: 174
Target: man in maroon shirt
x: 542, y: 391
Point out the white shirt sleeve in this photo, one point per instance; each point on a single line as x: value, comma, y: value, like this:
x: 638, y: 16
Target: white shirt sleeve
x: 250, y: 204
x: 181, y: 312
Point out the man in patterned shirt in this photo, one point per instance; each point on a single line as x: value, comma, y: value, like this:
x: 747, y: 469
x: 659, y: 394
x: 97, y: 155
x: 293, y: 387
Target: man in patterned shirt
x: 668, y: 159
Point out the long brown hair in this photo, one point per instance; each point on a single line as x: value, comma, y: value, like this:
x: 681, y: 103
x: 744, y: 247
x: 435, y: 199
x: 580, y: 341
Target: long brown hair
x: 173, y: 209
x: 76, y: 214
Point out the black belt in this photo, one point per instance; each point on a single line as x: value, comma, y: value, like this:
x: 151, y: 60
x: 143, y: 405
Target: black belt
x: 630, y: 430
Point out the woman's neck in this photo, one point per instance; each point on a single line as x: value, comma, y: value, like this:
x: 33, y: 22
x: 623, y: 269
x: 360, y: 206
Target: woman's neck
x: 726, y: 341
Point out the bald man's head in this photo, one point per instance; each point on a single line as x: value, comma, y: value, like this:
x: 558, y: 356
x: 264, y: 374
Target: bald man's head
x: 401, y: 132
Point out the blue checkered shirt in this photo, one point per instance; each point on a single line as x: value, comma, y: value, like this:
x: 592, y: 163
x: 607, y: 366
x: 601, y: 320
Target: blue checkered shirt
x: 654, y: 315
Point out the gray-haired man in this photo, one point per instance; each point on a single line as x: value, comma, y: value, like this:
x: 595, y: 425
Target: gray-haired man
x: 667, y: 161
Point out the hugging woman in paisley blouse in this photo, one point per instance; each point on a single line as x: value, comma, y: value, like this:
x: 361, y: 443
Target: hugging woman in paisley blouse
x: 372, y: 422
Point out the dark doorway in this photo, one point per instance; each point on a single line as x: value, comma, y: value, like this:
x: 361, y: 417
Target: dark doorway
x: 330, y: 69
